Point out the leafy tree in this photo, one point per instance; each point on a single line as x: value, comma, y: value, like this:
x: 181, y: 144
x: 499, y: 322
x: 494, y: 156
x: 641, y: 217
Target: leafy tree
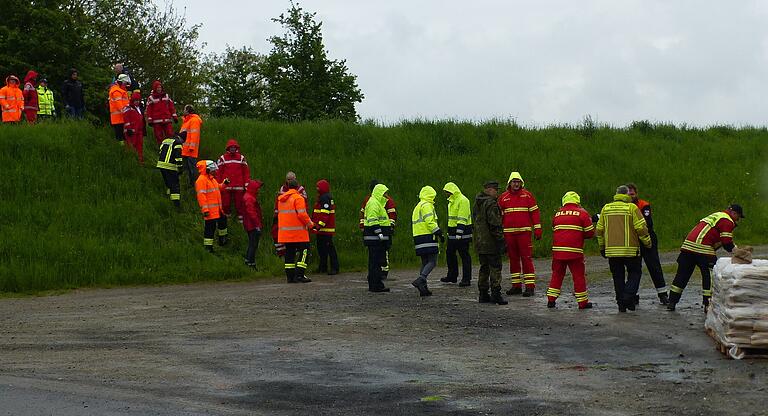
x: 235, y: 85
x: 301, y: 82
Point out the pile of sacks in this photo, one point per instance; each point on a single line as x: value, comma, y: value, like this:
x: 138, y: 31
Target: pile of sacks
x: 738, y: 315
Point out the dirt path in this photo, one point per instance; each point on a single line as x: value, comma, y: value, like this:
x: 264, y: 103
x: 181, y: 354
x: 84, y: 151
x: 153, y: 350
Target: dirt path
x: 330, y: 347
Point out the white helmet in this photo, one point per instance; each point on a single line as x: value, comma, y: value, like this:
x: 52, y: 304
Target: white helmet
x: 211, y: 166
x: 124, y: 78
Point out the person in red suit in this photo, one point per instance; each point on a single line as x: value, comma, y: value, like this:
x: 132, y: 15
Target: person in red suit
x: 133, y: 128
x: 572, y: 225
x: 161, y: 113
x: 252, y: 220
x: 232, y: 165
x: 520, y: 217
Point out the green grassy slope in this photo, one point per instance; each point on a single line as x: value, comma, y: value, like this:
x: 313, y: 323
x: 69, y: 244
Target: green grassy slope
x: 82, y: 213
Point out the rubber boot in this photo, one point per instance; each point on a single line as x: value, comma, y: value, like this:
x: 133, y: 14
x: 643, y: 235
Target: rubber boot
x: 515, y: 291
x: 484, y: 297
x: 672, y: 299
x: 528, y: 292
x: 448, y: 279
x: 498, y: 299
x: 587, y: 305
x: 551, y: 304
x: 209, y: 249
x: 333, y: 272
x: 422, y: 287
x: 223, y: 240
x: 290, y: 275
x: 637, y: 300
x: 663, y: 299
x: 705, y: 302
x: 622, y: 306
x: 465, y: 283
x: 300, y: 278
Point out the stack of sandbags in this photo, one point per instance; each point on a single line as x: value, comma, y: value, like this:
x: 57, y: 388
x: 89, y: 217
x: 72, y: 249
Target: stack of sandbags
x: 738, y: 314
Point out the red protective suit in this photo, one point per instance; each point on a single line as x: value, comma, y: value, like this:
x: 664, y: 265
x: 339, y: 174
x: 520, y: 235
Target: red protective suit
x: 280, y: 248
x: 252, y: 218
x: 233, y: 166
x: 572, y: 225
x: 161, y: 112
x: 324, y: 211
x: 31, y: 104
x: 520, y: 216
x: 133, y: 128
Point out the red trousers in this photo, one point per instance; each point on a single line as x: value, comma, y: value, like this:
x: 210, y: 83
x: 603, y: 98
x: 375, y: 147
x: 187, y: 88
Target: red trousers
x: 136, y: 141
x: 227, y: 195
x: 162, y: 131
x: 520, y: 251
x: 30, y: 115
x: 579, y: 279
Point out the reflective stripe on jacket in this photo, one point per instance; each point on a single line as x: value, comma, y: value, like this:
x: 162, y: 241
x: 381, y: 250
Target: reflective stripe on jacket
x: 118, y: 102
x: 45, y: 97
x: 709, y: 234
x: 292, y: 218
x: 170, y: 155
x: 377, y: 228
x: 11, y: 101
x: 621, y: 228
x: 572, y: 225
x: 424, y: 223
x: 192, y: 125
x: 208, y: 195
x: 459, y: 214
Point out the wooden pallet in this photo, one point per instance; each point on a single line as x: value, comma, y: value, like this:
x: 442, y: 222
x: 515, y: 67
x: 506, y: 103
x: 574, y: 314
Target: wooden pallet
x: 744, y: 352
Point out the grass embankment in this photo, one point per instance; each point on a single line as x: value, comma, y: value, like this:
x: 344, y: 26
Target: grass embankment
x: 83, y: 214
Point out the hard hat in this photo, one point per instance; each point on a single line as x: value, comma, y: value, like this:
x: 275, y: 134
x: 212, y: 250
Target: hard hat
x: 124, y: 78
x: 211, y: 165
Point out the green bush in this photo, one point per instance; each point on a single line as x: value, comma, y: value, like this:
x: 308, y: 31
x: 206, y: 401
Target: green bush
x: 83, y: 213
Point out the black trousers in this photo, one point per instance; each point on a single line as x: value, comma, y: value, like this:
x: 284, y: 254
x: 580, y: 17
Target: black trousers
x: 626, y: 273
x: 296, y: 255
x: 209, y: 229
x: 189, y: 166
x: 253, y: 244
x: 686, y: 264
x: 653, y: 263
x: 462, y: 246
x: 119, y: 134
x: 171, y: 179
x: 376, y: 257
x: 326, y: 250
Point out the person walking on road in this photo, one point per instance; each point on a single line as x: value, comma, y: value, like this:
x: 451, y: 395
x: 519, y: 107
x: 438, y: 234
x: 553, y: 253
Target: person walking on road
x: 572, y: 225
x: 521, y: 218
x: 293, y: 224
x: 426, y: 233
x: 209, y: 199
x: 489, y: 243
x: 620, y: 231
x: 699, y: 250
x: 170, y: 162
x: 31, y: 101
x: 192, y: 125
x: 324, y: 216
x: 391, y: 209
x: 459, y: 236
x: 11, y: 100
x: 45, y: 98
x: 377, y: 236
x: 252, y: 220
x: 650, y: 255
x: 161, y: 113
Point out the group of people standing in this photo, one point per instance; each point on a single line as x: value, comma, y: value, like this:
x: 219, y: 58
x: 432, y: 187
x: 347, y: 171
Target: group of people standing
x: 507, y: 223
x: 34, y: 100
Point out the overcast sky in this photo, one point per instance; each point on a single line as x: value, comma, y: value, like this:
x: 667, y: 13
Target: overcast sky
x: 538, y: 61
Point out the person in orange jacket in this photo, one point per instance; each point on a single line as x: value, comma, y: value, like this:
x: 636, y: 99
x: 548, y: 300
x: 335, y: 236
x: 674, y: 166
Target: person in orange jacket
x: 209, y: 199
x: 293, y: 225
x: 11, y: 100
x: 280, y: 248
x: 192, y: 124
x: 520, y: 217
x: 118, y: 102
x: 133, y: 126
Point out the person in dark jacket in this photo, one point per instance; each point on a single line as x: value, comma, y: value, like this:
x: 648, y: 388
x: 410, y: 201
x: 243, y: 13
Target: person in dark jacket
x: 171, y: 163
x: 252, y: 220
x: 489, y: 243
x: 324, y: 215
x: 72, y: 95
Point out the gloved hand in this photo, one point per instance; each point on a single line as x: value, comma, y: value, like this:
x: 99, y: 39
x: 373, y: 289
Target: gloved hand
x: 175, y: 119
x: 381, y: 237
x: 206, y: 214
x: 602, y: 253
x: 227, y: 181
x: 129, y: 132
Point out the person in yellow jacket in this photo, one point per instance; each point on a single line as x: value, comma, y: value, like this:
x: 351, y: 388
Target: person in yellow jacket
x: 377, y: 236
x: 426, y: 233
x: 459, y: 236
x: 621, y: 229
x: 11, y: 100
x: 45, y: 100
x: 118, y: 103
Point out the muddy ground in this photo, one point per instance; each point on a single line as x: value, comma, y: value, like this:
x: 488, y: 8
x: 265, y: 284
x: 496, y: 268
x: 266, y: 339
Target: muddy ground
x: 330, y: 347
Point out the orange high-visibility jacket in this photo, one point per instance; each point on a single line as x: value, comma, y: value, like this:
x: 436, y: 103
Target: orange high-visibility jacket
x: 208, y: 194
x: 292, y: 218
x: 192, y: 124
x: 11, y: 101
x: 118, y: 101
